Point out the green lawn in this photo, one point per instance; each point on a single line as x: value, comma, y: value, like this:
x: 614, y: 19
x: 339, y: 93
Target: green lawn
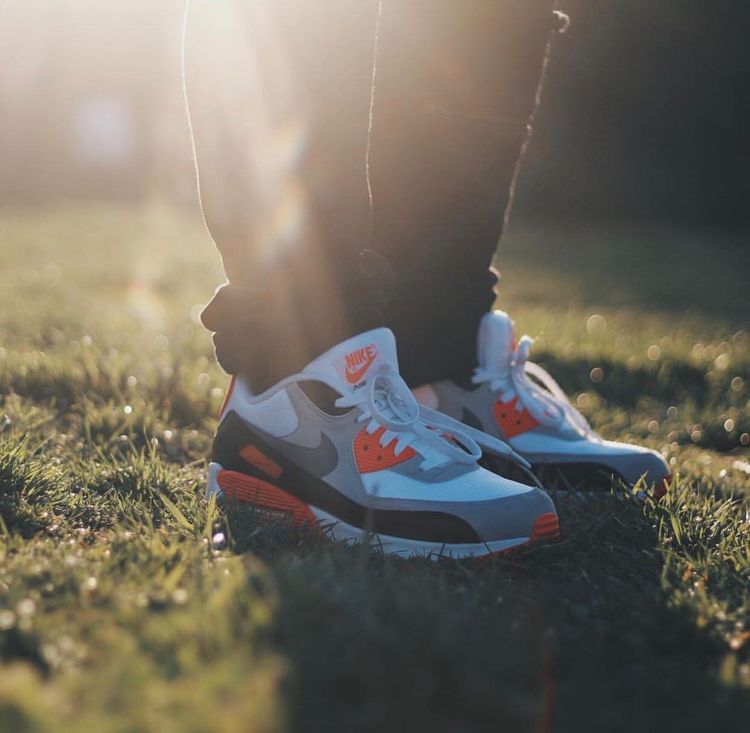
x: 122, y: 610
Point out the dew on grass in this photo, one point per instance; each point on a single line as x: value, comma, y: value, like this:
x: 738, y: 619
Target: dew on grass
x: 66, y: 644
x: 672, y: 412
x: 696, y: 435
x: 26, y: 608
x: 654, y: 352
x: 729, y: 425
x: 597, y: 374
x: 219, y: 541
x: 180, y: 596
x: 745, y: 439
x: 90, y: 584
x: 722, y: 362
x: 653, y: 426
x: 737, y: 384
x: 583, y: 400
x: 132, y: 381
x: 51, y: 655
x: 7, y: 619
x: 596, y: 324
x: 128, y: 409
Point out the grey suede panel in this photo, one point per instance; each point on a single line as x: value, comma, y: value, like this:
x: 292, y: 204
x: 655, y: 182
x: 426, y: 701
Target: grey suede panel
x: 507, y: 518
x: 438, y: 475
x: 341, y: 430
x: 496, y: 519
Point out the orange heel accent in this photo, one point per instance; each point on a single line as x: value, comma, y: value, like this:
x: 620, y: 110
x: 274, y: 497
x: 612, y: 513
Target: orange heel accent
x: 255, y: 491
x: 546, y: 529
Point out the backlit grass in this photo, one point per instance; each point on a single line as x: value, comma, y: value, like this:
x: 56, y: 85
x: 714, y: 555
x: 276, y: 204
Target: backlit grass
x: 127, y: 603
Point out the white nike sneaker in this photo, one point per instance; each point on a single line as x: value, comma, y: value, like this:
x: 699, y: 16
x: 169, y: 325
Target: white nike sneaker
x: 519, y: 402
x: 345, y: 445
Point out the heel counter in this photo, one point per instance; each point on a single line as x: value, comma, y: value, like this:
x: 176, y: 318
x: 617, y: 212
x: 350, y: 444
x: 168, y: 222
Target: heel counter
x: 226, y: 444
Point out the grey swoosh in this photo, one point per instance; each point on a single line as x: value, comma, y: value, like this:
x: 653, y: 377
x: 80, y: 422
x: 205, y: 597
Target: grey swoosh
x: 319, y: 461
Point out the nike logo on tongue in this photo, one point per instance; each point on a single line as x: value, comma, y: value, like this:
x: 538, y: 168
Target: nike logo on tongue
x: 358, y: 363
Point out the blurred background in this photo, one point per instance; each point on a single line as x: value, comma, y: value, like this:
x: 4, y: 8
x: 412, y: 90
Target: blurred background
x: 626, y: 260
x: 646, y: 109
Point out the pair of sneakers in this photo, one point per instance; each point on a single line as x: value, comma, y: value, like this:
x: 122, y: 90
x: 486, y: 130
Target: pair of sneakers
x: 346, y: 445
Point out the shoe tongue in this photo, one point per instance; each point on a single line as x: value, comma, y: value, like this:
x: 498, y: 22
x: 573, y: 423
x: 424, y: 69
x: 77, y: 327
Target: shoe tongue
x: 350, y: 363
x: 496, y: 342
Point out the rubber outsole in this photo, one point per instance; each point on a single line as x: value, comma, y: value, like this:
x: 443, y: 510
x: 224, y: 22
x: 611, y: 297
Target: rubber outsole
x: 247, y: 489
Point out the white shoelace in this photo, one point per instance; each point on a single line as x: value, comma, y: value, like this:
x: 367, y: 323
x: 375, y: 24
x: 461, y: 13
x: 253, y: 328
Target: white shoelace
x: 544, y: 399
x: 388, y: 403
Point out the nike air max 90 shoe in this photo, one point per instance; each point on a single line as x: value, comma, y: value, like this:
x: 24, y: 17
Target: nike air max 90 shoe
x: 519, y: 402
x: 344, y: 445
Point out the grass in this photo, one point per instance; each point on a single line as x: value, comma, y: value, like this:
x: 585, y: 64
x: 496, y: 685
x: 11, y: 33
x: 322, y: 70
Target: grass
x: 127, y: 603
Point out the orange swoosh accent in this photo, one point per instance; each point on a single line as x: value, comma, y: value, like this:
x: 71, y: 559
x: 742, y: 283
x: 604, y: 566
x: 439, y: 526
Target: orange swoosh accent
x: 354, y: 377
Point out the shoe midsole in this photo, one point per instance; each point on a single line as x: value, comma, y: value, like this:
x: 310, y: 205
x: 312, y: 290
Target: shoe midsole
x: 342, y: 532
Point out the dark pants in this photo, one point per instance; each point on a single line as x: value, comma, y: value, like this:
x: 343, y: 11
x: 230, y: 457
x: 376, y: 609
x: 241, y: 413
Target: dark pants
x: 338, y: 204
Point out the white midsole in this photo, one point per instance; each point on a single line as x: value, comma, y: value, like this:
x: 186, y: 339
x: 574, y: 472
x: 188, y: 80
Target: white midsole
x: 404, y: 547
x: 340, y: 531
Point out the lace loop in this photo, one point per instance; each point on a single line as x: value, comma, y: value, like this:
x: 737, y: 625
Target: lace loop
x: 536, y: 389
x: 387, y: 402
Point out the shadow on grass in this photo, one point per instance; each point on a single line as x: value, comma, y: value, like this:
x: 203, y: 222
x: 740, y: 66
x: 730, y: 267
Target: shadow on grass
x: 576, y: 636
x: 643, y: 266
